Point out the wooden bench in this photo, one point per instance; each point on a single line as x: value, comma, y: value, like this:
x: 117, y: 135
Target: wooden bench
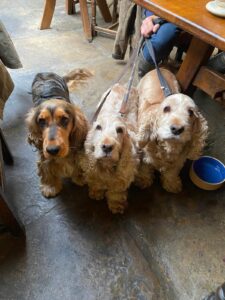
x: 210, y: 81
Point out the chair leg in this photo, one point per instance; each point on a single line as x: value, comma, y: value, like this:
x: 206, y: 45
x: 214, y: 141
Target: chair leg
x: 48, y: 14
x: 69, y: 7
x: 85, y: 20
x: 104, y: 9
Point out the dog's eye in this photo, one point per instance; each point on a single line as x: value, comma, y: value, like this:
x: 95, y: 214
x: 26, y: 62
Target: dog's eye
x: 42, y: 122
x: 190, y: 111
x: 166, y: 109
x: 64, y: 121
x: 119, y: 130
x: 98, y: 127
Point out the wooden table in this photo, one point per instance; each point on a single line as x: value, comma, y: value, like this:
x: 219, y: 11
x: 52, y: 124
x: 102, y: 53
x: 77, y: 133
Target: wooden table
x: 208, y: 32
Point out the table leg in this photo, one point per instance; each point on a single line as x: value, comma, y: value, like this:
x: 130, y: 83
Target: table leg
x: 85, y: 20
x: 198, y: 53
x: 48, y: 14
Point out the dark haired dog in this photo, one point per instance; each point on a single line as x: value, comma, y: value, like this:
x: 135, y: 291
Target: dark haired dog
x: 57, y: 128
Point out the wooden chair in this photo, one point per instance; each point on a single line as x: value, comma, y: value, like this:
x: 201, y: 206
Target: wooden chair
x: 5, y: 213
x: 50, y: 8
x: 90, y: 29
x: 104, y: 9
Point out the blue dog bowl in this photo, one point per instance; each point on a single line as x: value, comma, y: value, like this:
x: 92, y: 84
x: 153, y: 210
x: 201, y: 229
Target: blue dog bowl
x: 207, y: 173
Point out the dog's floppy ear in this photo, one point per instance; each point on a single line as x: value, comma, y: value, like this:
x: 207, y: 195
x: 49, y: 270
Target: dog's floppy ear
x: 145, y: 131
x: 127, y: 149
x: 199, y: 136
x: 34, y: 132
x: 80, y: 129
x: 143, y: 135
x: 89, y: 145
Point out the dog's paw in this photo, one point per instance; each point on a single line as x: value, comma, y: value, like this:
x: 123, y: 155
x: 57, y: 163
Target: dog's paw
x: 172, y: 186
x: 50, y: 191
x: 117, y: 207
x: 143, y: 183
x: 96, y: 194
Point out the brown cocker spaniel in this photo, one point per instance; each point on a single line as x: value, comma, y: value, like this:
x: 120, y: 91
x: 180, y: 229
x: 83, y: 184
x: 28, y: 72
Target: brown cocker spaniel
x: 57, y: 128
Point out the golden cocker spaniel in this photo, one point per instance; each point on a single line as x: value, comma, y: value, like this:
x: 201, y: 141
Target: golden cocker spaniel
x: 57, y: 128
x: 110, y: 163
x: 170, y: 130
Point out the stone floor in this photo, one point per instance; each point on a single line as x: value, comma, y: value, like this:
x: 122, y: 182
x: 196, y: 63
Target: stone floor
x: 164, y: 247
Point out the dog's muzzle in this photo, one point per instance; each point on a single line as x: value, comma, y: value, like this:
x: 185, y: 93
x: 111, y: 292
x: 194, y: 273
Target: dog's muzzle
x: 53, y: 150
x: 107, y: 149
x: 176, y: 130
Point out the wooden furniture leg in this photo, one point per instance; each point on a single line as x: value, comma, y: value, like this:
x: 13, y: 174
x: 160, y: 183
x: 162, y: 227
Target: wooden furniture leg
x: 48, y: 14
x: 85, y: 20
x: 50, y: 8
x: 197, y: 54
x: 70, y: 6
x: 104, y: 9
x: 95, y: 28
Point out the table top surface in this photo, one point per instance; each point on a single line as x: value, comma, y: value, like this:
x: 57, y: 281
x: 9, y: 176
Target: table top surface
x: 192, y: 16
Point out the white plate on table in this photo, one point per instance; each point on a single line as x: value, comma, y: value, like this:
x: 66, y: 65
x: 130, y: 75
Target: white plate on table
x: 215, y: 9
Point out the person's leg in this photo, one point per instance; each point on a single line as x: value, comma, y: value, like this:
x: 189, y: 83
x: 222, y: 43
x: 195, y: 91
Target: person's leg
x: 163, y: 41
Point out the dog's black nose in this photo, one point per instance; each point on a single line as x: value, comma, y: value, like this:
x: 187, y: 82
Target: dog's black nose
x: 176, y: 130
x: 53, y: 150
x: 107, y: 148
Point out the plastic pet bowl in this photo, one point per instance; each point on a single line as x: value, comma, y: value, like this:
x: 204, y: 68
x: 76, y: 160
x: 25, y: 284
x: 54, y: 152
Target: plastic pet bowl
x: 208, y: 173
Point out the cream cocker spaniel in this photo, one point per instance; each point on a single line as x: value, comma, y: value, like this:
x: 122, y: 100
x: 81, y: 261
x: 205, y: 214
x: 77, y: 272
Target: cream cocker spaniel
x: 170, y: 130
x: 57, y: 128
x: 110, y: 163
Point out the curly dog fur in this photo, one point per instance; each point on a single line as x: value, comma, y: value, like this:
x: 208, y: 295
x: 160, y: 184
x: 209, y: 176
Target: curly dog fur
x: 110, y: 163
x: 57, y: 128
x: 170, y: 131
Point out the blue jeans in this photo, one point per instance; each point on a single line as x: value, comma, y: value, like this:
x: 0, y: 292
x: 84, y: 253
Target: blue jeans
x: 162, y: 41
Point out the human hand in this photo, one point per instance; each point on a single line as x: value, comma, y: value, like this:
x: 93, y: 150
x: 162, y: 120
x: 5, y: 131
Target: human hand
x: 147, y: 27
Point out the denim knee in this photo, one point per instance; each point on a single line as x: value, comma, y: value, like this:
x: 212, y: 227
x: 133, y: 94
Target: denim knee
x: 162, y: 41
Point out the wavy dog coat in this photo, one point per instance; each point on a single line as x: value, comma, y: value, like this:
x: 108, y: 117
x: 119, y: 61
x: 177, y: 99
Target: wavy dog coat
x: 57, y: 128
x: 170, y: 130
